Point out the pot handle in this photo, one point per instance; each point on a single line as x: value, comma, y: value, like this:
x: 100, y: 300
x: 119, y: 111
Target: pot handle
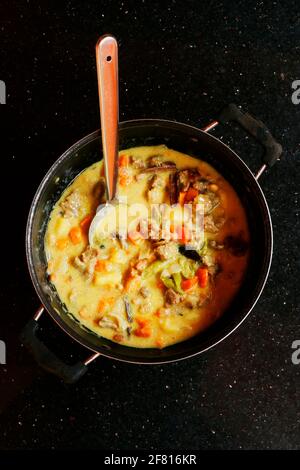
x: 47, y: 359
x: 254, y: 127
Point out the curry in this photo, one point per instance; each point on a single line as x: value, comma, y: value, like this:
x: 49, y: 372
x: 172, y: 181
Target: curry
x: 149, y: 288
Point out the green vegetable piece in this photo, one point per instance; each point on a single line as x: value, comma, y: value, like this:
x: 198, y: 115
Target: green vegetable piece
x: 203, y: 248
x: 168, y: 282
x: 188, y: 267
x: 155, y: 268
x: 177, y: 279
x: 173, y: 282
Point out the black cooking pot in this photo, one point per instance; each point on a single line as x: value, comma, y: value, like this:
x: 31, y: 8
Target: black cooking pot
x: 184, y: 138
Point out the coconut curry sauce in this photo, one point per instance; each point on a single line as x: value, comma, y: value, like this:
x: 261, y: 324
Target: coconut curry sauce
x: 141, y: 292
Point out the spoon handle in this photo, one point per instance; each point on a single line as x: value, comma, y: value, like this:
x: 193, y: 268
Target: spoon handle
x: 107, y: 74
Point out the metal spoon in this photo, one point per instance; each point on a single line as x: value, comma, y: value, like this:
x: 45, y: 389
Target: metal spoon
x: 107, y: 75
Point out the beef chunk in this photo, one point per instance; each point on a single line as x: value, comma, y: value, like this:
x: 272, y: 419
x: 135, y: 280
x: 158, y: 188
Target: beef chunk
x: 99, y: 190
x: 138, y: 162
x: 145, y: 292
x: 156, y: 182
x: 172, y: 297
x: 86, y: 262
x: 155, y: 193
x: 156, y: 160
x: 71, y: 204
x: 201, y: 185
x: 173, y: 189
x: 187, y: 178
x: 211, y: 201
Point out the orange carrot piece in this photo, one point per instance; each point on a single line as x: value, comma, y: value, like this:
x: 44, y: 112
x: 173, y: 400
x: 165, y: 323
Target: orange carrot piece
x: 100, y: 265
x: 118, y: 338
x: 159, y: 343
x: 202, y: 274
x: 187, y: 284
x: 101, y: 306
x: 62, y: 243
x: 143, y: 330
x: 160, y: 284
x: 75, y: 235
x: 190, y: 195
x: 125, y: 180
x: 85, y: 223
x: 142, y: 322
x: 123, y: 160
x: 104, y: 303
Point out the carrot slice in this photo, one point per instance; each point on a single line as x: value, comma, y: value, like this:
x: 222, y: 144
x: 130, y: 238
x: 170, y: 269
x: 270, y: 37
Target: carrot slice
x: 100, y: 265
x: 105, y: 303
x: 123, y: 160
x: 202, y: 274
x: 187, y: 284
x: 85, y: 223
x: 101, y: 306
x: 142, y: 322
x: 75, y: 235
x: 125, y: 180
x: 160, y: 284
x: 143, y: 330
x: 190, y: 195
x: 118, y: 338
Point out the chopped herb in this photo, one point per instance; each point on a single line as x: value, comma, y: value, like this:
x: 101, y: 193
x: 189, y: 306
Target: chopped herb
x: 128, y: 330
x: 128, y: 309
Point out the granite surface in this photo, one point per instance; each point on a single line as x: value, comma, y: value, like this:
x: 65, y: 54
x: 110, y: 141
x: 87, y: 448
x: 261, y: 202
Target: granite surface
x: 179, y: 60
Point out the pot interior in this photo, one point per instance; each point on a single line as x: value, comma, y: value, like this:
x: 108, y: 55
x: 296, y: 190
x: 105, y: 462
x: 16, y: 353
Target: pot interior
x: 185, y: 139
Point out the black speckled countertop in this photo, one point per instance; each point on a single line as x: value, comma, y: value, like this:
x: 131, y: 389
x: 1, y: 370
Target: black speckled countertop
x: 179, y: 60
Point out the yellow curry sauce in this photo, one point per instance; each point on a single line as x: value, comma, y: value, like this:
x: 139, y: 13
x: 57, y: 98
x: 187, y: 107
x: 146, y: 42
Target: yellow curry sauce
x: 141, y: 292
